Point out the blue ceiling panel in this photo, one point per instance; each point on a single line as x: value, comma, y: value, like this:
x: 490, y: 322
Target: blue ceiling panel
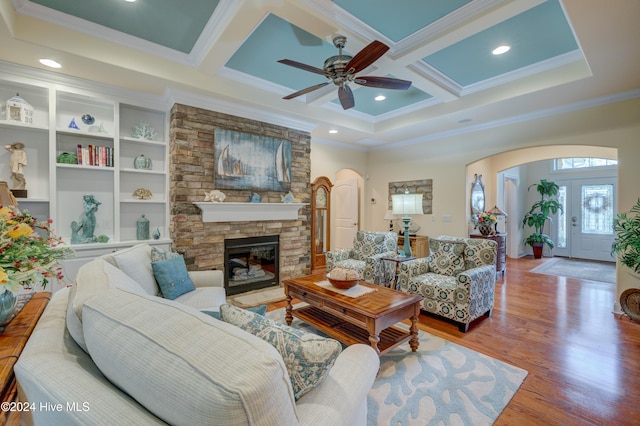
x: 276, y: 39
x: 535, y: 35
x: 168, y: 23
x: 395, y: 99
x: 399, y: 19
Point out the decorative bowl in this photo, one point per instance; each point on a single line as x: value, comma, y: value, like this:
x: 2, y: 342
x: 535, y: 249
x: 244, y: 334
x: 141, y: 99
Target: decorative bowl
x: 342, y: 284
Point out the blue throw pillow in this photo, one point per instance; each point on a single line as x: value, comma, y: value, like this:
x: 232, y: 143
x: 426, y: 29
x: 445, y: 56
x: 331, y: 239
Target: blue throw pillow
x: 260, y: 310
x: 172, y: 277
x: 307, y: 357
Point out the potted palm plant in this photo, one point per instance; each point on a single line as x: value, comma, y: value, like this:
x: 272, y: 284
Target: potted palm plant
x: 626, y: 244
x: 539, y: 214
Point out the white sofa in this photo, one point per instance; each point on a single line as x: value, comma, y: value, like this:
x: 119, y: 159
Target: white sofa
x: 154, y: 361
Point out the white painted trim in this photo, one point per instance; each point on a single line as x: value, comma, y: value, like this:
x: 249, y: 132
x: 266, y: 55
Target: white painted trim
x: 248, y: 212
x: 234, y: 108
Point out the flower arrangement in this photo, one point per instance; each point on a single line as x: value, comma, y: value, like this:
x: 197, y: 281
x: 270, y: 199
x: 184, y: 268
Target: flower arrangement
x: 484, y: 218
x: 29, y: 251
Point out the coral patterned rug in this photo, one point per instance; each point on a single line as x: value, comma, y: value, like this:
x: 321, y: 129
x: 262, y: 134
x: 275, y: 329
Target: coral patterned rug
x: 441, y: 384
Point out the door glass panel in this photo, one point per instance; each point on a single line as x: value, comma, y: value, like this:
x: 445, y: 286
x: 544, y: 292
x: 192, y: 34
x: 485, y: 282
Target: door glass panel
x: 562, y: 218
x: 597, y: 209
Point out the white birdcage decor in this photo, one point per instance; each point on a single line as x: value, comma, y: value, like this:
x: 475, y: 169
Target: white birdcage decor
x: 17, y: 109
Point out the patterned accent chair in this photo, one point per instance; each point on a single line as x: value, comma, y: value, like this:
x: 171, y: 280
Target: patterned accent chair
x: 364, y: 257
x: 457, y: 279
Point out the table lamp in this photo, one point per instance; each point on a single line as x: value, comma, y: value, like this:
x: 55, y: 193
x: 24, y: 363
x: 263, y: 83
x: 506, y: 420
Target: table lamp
x: 406, y: 204
x: 390, y: 217
x: 497, y: 211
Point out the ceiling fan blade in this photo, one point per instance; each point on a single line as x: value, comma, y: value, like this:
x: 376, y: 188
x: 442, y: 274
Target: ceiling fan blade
x: 367, y: 56
x: 346, y: 97
x: 307, y: 90
x: 383, y: 82
x: 302, y: 66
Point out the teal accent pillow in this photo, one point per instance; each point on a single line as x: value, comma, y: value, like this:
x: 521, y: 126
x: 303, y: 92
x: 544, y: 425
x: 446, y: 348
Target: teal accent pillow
x: 172, y: 277
x: 308, y: 357
x: 260, y: 310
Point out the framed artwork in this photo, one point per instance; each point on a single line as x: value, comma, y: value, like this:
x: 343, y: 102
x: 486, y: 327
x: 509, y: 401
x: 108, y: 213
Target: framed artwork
x: 246, y: 161
x: 424, y: 186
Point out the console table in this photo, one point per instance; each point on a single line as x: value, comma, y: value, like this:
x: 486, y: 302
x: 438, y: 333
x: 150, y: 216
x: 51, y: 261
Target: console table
x: 419, y: 245
x: 501, y: 253
x: 12, y: 341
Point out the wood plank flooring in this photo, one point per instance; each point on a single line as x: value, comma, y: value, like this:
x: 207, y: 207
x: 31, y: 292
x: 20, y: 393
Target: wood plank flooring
x: 583, y: 361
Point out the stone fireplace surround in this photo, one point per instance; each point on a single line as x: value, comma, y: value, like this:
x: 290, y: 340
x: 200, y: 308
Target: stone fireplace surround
x: 191, y: 174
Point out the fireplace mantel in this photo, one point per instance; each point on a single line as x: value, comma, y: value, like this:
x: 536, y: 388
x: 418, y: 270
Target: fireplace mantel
x: 248, y: 212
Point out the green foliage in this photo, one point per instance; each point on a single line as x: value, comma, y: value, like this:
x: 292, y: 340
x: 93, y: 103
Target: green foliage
x: 627, y: 240
x: 541, y: 212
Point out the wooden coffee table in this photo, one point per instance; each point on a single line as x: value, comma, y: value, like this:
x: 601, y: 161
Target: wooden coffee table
x: 367, y: 319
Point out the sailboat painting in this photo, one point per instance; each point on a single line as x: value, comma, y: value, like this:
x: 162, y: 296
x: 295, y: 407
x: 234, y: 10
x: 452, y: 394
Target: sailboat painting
x: 246, y: 161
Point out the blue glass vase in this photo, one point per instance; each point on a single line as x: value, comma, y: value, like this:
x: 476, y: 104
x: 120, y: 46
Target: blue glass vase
x: 8, y: 302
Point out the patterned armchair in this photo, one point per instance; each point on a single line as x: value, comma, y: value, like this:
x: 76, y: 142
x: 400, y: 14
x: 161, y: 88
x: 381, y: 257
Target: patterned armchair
x: 364, y: 257
x: 457, y: 279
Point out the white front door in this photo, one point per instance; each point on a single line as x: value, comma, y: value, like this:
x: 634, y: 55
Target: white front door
x: 344, y: 200
x: 585, y: 230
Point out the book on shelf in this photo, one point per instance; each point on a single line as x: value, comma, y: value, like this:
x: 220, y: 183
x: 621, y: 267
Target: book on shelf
x: 94, y: 155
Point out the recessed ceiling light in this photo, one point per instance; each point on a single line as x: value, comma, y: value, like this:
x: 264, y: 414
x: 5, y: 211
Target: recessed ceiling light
x: 129, y: 1
x: 333, y: 131
x: 380, y: 98
x: 50, y: 63
x: 501, y: 49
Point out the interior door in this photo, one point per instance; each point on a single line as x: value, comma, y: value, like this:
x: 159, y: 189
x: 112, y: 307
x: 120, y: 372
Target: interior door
x: 585, y: 230
x: 344, y: 198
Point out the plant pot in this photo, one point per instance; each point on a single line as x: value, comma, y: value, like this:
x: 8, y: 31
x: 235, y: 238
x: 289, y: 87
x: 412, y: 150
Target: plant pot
x: 537, y: 250
x: 485, y: 229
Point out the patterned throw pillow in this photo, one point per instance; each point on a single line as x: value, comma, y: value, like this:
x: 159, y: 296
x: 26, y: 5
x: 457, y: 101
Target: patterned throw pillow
x: 308, y: 357
x: 158, y: 255
x: 172, y: 277
x: 260, y: 310
x: 446, y: 257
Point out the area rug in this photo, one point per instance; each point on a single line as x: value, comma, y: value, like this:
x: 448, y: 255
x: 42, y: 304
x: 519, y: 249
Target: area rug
x: 441, y: 384
x: 258, y: 297
x: 583, y: 269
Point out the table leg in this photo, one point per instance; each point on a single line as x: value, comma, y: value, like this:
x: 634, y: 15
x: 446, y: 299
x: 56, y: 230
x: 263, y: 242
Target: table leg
x: 288, y: 316
x: 414, y: 340
x: 374, y: 339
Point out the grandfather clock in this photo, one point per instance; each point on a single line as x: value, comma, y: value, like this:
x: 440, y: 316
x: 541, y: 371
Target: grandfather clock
x: 320, y: 222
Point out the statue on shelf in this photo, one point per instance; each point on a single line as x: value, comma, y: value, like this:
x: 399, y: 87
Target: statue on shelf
x: 88, y: 224
x: 17, y: 162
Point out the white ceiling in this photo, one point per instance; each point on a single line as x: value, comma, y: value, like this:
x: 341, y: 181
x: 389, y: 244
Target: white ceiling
x: 565, y: 56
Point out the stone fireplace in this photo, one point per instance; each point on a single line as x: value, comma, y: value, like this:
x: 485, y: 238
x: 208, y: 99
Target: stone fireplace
x: 192, y: 167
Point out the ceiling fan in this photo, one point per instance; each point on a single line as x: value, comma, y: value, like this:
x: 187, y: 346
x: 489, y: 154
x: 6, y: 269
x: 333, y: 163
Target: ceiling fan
x: 341, y: 70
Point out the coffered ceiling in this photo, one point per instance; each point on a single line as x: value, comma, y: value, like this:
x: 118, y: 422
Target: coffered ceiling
x: 564, y: 55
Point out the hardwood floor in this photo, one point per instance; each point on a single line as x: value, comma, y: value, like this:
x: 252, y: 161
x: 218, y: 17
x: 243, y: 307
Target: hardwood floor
x: 583, y: 361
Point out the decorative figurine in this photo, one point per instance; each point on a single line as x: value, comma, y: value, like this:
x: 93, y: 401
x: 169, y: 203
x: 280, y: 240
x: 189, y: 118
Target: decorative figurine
x: 156, y: 234
x: 67, y: 158
x: 215, y: 196
x: 143, y: 131
x: 142, y: 228
x: 142, y: 194
x: 82, y: 233
x: 88, y: 119
x: 103, y: 238
x: 288, y: 198
x: 17, y: 162
x: 255, y: 198
x: 142, y: 162
x: 73, y: 125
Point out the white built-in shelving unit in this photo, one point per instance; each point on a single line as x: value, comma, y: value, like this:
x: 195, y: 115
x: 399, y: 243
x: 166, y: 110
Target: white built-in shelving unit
x: 56, y: 190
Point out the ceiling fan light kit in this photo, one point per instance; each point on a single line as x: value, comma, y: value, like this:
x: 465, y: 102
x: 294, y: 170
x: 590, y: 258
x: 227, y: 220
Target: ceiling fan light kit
x: 341, y: 70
